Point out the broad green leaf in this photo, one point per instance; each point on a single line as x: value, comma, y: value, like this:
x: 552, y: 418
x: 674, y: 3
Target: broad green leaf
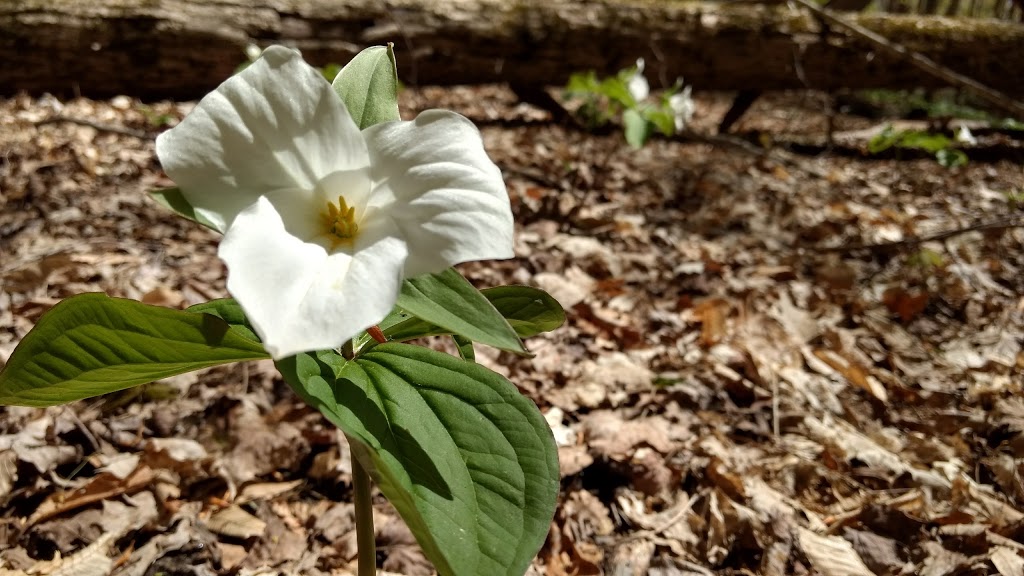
x: 368, y: 85
x: 529, y: 310
x: 230, y: 311
x: 884, y: 140
x: 465, y: 346
x: 448, y: 300
x: 92, y: 344
x: 951, y: 158
x: 583, y: 83
x: 468, y: 462
x: 174, y: 200
x: 663, y: 119
x: 927, y: 141
x: 616, y: 88
x: 637, y: 128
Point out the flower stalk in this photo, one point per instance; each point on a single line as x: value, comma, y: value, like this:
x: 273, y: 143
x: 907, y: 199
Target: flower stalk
x: 362, y: 499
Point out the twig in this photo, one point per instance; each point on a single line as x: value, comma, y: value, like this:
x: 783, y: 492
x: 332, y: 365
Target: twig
x: 922, y: 62
x: 98, y: 126
x: 742, y: 145
x: 1001, y: 224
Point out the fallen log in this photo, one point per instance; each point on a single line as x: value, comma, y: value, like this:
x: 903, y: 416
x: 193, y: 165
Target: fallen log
x: 183, y: 48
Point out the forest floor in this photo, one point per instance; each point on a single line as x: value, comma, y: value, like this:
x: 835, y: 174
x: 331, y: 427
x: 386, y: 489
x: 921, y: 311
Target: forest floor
x: 765, y: 369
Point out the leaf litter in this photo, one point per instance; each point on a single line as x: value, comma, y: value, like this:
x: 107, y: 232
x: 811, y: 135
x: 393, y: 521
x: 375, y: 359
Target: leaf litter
x: 738, y: 388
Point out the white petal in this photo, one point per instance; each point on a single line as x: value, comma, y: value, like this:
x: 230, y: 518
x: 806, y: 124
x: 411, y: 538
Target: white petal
x: 298, y: 297
x: 682, y: 106
x: 435, y: 182
x: 275, y: 125
x: 638, y: 87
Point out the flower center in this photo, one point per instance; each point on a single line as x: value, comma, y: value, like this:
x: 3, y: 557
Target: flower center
x: 340, y: 219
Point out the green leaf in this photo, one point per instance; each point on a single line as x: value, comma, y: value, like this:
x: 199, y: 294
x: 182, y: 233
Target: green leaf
x: 951, y: 158
x: 368, y: 85
x: 92, y: 344
x: 465, y: 346
x: 529, y: 310
x: 637, y: 128
x: 663, y: 119
x: 583, y: 83
x: 884, y: 140
x: 230, y: 311
x: 927, y: 141
x: 174, y: 200
x: 616, y: 88
x: 468, y: 462
x: 448, y: 300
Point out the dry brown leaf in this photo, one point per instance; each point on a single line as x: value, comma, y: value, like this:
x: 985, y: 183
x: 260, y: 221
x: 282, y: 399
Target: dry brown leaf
x: 720, y: 535
x: 178, y: 449
x: 616, y: 374
x: 405, y: 556
x: 832, y: 555
x: 905, y: 304
x: 651, y: 476
x: 573, y: 459
x: 235, y: 522
x: 879, y: 553
x: 265, y: 490
x: 850, y: 444
x: 712, y: 314
x: 940, y: 561
x: 31, y: 445
x: 568, y: 288
x: 163, y: 296
x: 261, y: 446
x: 631, y: 558
x: 1007, y: 561
x: 89, y: 561
x: 8, y: 472
x: 771, y: 503
x: 853, y: 372
x: 677, y: 526
x: 982, y: 502
x: 611, y: 435
x: 97, y: 489
x: 589, y: 515
x: 231, y: 555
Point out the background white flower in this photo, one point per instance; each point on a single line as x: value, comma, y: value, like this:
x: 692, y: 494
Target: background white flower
x: 638, y: 87
x: 682, y: 106
x: 322, y: 221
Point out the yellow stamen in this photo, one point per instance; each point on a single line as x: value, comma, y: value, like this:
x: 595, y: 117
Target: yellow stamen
x: 340, y: 219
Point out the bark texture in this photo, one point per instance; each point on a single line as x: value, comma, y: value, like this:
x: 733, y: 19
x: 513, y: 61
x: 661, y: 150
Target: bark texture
x: 183, y: 48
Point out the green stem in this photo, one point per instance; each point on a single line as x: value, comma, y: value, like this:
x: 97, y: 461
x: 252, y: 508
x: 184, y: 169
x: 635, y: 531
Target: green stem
x: 364, y: 520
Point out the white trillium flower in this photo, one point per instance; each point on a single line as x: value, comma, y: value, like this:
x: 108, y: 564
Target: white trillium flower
x: 322, y: 221
x: 682, y: 106
x: 964, y: 135
x: 637, y: 85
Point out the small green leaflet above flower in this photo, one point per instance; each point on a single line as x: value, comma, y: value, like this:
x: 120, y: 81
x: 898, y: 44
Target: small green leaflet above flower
x: 322, y: 221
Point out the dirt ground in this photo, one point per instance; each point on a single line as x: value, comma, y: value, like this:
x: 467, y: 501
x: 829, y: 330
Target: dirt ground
x: 763, y: 371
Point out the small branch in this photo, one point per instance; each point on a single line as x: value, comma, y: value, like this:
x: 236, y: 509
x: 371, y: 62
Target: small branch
x: 98, y: 126
x: 995, y: 225
x: 920, y: 61
x: 365, y: 539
